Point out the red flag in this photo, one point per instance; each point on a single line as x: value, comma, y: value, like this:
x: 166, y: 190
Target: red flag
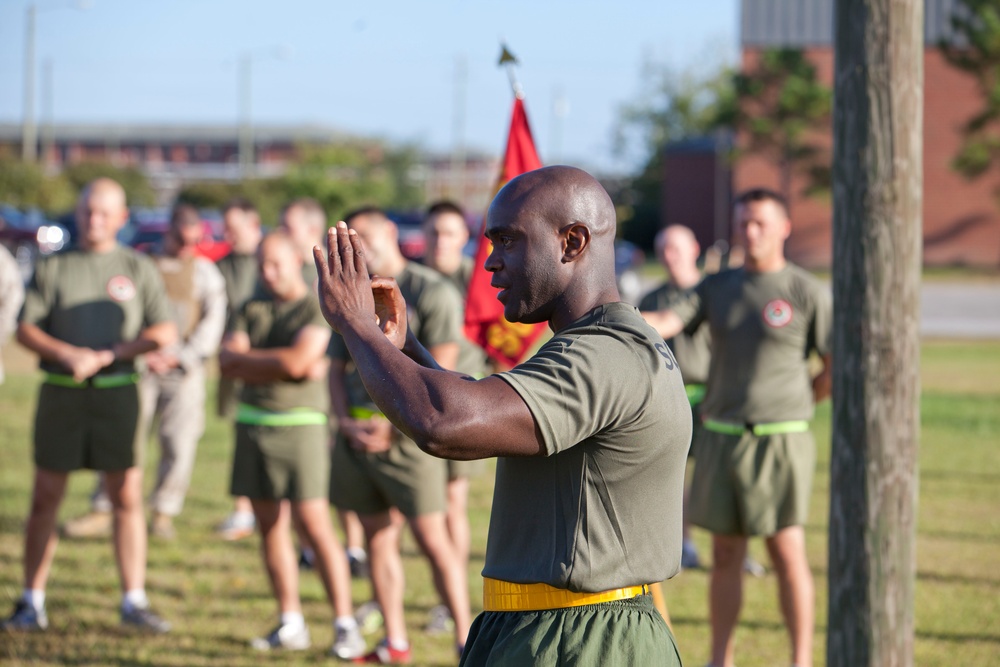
x: 506, y: 342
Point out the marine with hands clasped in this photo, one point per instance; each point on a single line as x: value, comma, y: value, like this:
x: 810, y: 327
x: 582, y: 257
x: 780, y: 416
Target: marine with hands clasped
x: 587, y: 502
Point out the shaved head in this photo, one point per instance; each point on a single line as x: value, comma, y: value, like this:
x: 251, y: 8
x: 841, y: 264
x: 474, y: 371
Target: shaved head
x: 100, y: 213
x: 553, y: 233
x: 105, y: 188
x: 563, y: 195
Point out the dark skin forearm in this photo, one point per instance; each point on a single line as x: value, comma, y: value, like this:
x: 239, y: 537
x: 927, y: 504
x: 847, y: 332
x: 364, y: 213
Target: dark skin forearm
x: 445, y: 414
x: 151, y: 338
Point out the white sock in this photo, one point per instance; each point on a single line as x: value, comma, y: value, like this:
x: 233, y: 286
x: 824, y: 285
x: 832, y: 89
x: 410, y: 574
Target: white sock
x: 35, y: 597
x: 397, y: 645
x: 345, y: 623
x: 357, y: 553
x: 294, y: 619
x: 135, y: 599
x: 244, y: 517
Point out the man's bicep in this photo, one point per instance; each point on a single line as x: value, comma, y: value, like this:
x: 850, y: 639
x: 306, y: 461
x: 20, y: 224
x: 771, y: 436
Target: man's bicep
x: 497, y: 421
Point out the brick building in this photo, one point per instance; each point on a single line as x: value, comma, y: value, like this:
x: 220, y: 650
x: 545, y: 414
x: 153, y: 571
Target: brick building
x: 961, y: 217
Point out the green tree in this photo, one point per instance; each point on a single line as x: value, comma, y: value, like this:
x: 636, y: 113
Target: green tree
x: 25, y: 185
x: 138, y: 191
x: 674, y: 106
x: 778, y: 110
x: 976, y: 50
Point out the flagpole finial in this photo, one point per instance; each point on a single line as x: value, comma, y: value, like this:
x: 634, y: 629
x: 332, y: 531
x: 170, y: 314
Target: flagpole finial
x: 509, y: 61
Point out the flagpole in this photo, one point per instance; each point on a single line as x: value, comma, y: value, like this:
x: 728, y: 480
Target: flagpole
x: 509, y: 61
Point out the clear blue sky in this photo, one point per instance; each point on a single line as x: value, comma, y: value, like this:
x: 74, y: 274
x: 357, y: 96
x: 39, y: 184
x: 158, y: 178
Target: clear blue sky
x: 379, y: 68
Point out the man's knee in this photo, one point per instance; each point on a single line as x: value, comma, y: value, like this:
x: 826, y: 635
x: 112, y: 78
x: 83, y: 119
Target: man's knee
x: 728, y: 551
x: 48, y: 491
x: 124, y: 489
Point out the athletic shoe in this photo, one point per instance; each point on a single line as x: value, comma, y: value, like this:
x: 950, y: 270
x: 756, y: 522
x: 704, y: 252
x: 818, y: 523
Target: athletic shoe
x: 347, y: 643
x: 162, y: 527
x: 689, y: 557
x: 307, y: 559
x: 386, y: 655
x: 26, y: 619
x: 236, y: 526
x: 359, y: 566
x: 284, y: 637
x: 440, y: 622
x: 369, y: 617
x: 753, y: 568
x: 143, y: 618
x: 91, y: 524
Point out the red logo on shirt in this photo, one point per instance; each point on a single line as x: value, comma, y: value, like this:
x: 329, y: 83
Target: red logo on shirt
x: 120, y: 288
x: 778, y: 313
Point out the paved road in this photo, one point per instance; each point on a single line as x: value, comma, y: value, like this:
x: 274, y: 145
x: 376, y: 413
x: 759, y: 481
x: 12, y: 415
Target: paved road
x: 956, y: 310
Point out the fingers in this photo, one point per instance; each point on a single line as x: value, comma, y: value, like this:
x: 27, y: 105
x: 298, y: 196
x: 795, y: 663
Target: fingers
x: 345, y: 255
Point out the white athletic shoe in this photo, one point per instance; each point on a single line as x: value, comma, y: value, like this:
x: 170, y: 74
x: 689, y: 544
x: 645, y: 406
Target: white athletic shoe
x: 284, y: 637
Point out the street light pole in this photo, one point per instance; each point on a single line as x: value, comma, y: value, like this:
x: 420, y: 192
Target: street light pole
x: 246, y: 156
x: 29, y: 134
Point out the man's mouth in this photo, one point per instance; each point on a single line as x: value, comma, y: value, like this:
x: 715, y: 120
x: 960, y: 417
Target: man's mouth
x: 502, y: 290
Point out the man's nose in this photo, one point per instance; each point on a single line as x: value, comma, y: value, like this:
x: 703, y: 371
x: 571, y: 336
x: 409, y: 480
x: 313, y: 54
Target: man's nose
x: 492, y: 263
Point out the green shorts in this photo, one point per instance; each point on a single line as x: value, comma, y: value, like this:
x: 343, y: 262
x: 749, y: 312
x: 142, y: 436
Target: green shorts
x: 459, y: 469
x: 86, y: 427
x: 276, y: 462
x: 404, y: 477
x: 751, y: 485
x: 624, y: 632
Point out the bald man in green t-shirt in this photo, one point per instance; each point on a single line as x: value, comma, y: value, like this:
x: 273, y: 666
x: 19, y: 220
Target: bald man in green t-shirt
x: 756, y: 456
x: 591, y: 433
x: 88, y: 314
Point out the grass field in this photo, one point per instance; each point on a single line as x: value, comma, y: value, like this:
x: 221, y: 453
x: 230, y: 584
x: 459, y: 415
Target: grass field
x: 217, y: 597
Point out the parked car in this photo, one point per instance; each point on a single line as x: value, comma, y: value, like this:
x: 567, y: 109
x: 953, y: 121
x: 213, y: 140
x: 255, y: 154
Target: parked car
x: 29, y: 235
x: 412, y: 243
x: 628, y: 258
x: 147, y: 227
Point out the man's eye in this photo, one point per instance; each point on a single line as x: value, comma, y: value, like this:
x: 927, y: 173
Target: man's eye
x: 505, y: 240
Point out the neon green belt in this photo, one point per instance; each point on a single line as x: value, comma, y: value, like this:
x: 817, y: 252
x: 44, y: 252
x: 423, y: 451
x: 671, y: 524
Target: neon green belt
x: 249, y: 414
x: 96, y: 381
x: 695, y: 393
x: 364, y: 413
x: 773, y: 428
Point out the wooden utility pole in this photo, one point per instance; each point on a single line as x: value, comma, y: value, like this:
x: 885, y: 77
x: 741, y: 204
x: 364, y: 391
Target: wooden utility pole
x: 877, y: 204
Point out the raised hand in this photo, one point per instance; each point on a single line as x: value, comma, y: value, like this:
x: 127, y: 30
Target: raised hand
x: 345, y: 288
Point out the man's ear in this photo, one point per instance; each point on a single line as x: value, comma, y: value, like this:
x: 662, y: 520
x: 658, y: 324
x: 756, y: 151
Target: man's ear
x: 576, y: 239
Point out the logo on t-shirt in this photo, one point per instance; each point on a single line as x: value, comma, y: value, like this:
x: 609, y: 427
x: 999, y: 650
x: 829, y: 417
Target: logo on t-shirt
x: 120, y: 288
x: 778, y: 313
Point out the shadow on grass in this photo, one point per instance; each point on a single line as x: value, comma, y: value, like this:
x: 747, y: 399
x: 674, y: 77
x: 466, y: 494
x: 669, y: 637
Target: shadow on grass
x: 959, y: 637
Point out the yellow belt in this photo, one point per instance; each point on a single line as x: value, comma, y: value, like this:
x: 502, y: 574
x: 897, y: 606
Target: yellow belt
x: 507, y: 596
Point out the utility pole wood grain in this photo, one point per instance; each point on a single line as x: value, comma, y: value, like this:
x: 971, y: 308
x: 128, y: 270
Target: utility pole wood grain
x: 877, y: 170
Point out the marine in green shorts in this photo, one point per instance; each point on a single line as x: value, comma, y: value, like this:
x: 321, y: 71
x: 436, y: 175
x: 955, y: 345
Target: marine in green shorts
x: 678, y: 250
x: 276, y: 345
x: 375, y: 466
x: 587, y: 501
x: 755, y: 453
x: 88, y: 313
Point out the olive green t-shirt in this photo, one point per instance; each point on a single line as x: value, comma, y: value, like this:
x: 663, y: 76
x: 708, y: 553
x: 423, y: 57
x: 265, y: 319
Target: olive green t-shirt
x: 693, y: 350
x: 269, y: 324
x: 242, y: 280
x: 95, y: 300
x: 434, y: 314
x: 602, y: 508
x: 472, y: 359
x: 763, y: 325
